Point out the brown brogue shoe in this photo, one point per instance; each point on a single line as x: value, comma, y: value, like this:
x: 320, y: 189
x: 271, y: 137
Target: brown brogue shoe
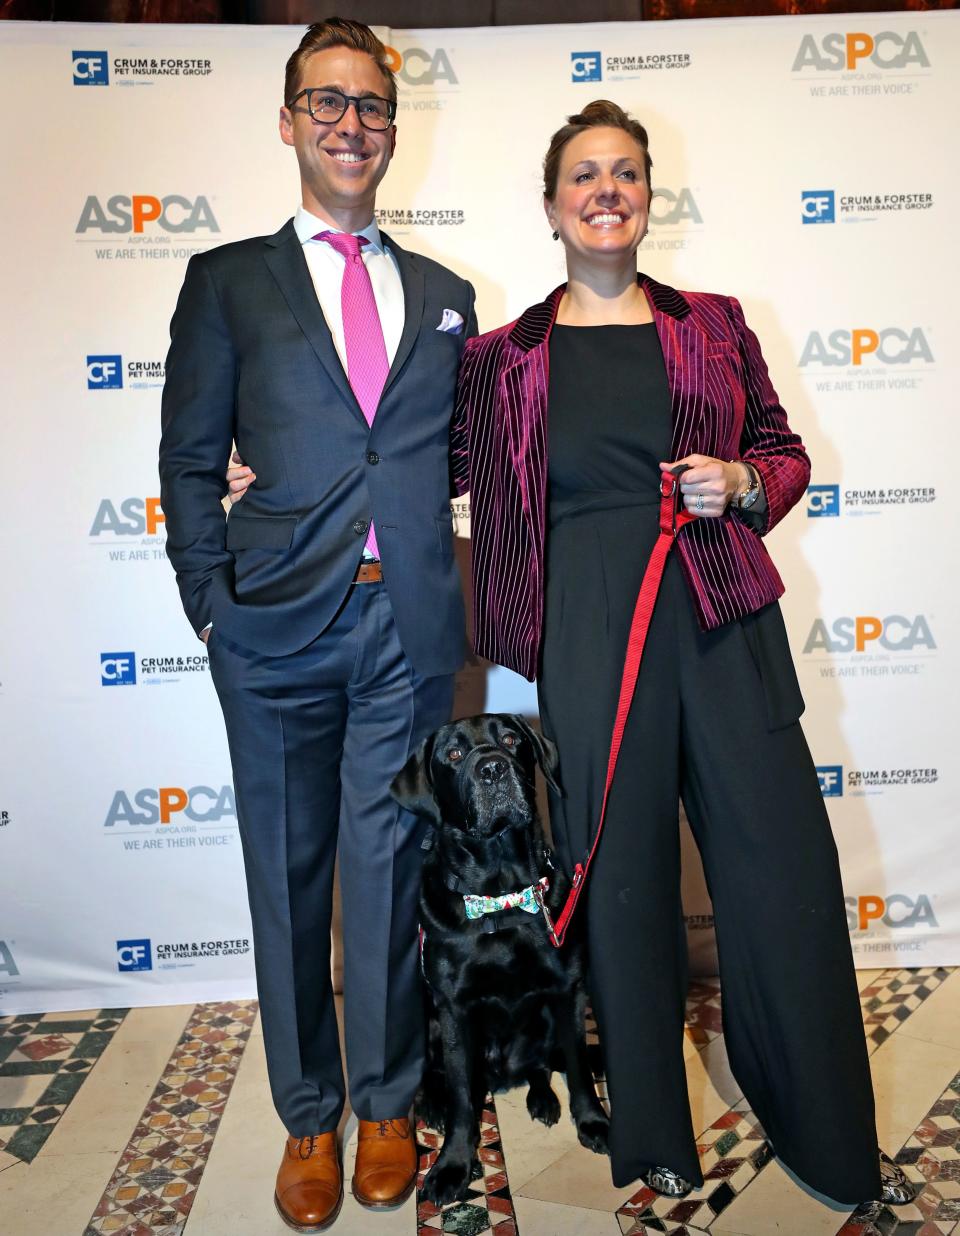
x: 386, y: 1168
x: 310, y: 1183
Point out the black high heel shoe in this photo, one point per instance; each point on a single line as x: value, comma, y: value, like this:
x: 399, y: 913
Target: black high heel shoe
x: 896, y: 1189
x: 667, y: 1183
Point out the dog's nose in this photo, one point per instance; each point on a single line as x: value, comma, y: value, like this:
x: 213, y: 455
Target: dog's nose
x: 491, y: 769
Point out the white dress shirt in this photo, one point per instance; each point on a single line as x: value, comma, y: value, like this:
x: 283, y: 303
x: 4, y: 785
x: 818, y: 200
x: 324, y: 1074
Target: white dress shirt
x: 326, y: 270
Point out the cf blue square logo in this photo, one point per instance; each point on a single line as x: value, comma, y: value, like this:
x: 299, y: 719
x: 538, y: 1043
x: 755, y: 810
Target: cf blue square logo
x: 133, y: 955
x: 816, y: 206
x: 104, y: 373
x: 585, y: 66
x: 823, y: 500
x: 118, y: 669
x: 90, y: 68
x: 830, y: 777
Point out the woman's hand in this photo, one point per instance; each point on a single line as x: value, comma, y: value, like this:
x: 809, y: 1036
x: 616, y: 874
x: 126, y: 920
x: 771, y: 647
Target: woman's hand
x: 709, y: 484
x: 239, y: 478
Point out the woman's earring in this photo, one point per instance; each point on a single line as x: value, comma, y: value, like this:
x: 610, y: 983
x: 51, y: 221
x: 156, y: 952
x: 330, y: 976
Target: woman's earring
x: 556, y: 236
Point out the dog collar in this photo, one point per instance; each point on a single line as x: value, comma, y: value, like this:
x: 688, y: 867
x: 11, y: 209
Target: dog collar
x: 526, y: 899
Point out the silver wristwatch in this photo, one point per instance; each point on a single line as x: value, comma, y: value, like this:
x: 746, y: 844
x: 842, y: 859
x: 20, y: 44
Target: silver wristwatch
x: 749, y: 496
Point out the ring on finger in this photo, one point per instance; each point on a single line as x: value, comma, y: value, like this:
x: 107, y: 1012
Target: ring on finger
x: 699, y: 503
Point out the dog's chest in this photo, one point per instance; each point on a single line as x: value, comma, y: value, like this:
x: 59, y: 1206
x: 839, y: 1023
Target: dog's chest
x: 508, y: 968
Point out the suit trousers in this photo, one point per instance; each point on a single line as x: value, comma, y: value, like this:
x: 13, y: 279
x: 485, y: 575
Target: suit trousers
x: 709, y: 723
x: 315, y: 739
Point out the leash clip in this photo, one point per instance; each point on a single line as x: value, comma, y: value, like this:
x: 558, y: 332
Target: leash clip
x: 547, y: 916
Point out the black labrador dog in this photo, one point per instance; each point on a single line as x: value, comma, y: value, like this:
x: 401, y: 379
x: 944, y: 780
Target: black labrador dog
x: 506, y: 1007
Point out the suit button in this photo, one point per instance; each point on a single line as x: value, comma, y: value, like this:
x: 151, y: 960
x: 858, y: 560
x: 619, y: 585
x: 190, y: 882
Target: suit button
x: 360, y: 527
x: 372, y: 457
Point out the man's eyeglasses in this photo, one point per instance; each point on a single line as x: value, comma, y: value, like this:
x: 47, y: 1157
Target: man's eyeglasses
x: 327, y: 107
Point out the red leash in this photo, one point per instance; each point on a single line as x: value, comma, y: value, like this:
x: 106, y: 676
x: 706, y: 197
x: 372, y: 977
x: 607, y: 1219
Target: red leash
x: 671, y: 521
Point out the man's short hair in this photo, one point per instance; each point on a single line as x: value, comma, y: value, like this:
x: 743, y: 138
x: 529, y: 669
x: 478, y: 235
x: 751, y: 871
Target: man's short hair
x: 338, y: 32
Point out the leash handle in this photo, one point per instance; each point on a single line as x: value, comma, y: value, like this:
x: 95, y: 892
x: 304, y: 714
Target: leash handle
x: 672, y: 520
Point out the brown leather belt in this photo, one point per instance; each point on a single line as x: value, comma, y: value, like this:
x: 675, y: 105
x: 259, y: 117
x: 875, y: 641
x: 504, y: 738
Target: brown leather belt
x: 369, y: 573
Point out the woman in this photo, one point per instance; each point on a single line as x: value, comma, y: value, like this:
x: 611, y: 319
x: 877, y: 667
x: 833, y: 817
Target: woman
x: 616, y: 379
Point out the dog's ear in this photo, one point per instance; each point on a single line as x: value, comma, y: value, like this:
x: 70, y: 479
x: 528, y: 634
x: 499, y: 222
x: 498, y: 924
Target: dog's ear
x: 544, y: 750
x: 412, y: 787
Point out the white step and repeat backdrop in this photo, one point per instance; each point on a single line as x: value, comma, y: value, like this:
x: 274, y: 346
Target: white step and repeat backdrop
x: 805, y: 164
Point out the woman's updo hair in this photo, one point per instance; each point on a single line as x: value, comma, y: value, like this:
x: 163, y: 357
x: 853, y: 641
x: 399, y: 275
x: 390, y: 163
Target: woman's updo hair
x: 601, y: 113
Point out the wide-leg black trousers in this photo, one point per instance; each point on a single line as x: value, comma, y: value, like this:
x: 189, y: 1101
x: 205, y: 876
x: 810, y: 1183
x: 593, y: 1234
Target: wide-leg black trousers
x: 714, y: 721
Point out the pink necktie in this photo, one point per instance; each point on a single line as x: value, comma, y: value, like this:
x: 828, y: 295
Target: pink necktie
x: 367, y: 364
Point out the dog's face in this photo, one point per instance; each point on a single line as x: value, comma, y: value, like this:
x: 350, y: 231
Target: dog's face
x: 477, y: 774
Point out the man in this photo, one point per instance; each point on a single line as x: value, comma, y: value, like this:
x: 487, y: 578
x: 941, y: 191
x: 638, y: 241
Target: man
x: 329, y: 601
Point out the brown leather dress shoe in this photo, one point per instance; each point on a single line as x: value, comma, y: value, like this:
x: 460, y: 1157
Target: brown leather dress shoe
x: 386, y: 1168
x: 310, y: 1183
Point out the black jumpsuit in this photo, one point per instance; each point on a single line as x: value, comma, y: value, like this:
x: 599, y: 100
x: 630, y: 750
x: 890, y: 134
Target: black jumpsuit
x: 714, y: 721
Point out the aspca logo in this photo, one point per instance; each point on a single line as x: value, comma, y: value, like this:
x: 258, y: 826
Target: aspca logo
x: 118, y: 669
x: 823, y: 500
x: 894, y: 910
x: 830, y: 777
x: 129, y: 517
x: 104, y: 373
x: 818, y: 206
x: 585, y: 67
x: 418, y: 67
x: 855, y: 50
x: 166, y: 805
x: 864, y: 633
x: 133, y: 955
x: 669, y: 206
x: 7, y: 964
x: 125, y: 214
x: 891, y: 346
x: 90, y: 68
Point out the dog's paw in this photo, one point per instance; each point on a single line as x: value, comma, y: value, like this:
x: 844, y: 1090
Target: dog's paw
x: 431, y: 1112
x: 447, y: 1182
x: 543, y: 1105
x: 594, y: 1133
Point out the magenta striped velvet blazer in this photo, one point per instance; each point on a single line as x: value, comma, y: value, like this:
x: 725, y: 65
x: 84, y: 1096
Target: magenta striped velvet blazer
x: 723, y: 405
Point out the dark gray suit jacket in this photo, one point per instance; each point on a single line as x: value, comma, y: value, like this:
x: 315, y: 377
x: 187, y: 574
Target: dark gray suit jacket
x: 252, y: 359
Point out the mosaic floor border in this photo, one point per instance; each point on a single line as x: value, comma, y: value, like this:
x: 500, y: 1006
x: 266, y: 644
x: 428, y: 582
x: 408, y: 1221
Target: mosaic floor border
x: 931, y: 1159
x: 733, y: 1150
x: 488, y: 1206
x: 62, y: 1047
x: 155, y: 1182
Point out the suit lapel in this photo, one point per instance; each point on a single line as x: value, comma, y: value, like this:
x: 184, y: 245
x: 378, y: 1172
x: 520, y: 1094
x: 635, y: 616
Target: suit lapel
x: 411, y: 277
x: 284, y: 256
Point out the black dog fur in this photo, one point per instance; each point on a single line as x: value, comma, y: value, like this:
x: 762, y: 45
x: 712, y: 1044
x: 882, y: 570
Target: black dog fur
x: 505, y: 1008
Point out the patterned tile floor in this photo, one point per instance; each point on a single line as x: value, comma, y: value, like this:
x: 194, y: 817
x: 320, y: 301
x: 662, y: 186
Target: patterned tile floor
x: 44, y: 1060
x: 149, y: 1186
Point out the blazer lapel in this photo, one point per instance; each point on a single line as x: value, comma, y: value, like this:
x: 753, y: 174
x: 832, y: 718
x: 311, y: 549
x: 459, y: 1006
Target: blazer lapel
x: 284, y: 256
x: 524, y: 385
x: 411, y: 276
x: 683, y: 344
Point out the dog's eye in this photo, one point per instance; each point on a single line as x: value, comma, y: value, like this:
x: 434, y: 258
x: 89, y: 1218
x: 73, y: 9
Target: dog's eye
x: 454, y: 755
x: 509, y: 740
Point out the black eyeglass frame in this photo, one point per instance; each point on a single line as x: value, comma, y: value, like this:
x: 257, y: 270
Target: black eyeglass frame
x: 347, y: 100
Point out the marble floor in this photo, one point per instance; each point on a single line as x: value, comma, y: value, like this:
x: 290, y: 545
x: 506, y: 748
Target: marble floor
x: 158, y: 1122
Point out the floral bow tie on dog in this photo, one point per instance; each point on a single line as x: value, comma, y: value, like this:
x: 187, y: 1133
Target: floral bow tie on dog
x: 527, y: 900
